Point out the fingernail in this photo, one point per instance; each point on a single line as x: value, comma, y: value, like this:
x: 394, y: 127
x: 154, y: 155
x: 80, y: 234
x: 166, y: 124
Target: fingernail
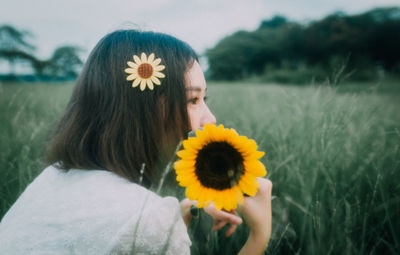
x: 194, y: 211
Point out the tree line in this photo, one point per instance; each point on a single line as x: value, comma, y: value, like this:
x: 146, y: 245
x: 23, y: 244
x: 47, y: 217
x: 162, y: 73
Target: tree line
x: 362, y: 46
x: 16, y: 48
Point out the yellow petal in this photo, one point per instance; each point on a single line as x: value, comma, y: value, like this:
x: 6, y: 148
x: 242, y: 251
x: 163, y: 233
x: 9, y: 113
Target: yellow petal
x: 210, y: 196
x: 189, y: 192
x: 255, y: 155
x: 228, y: 200
x: 137, y: 60
x: 158, y: 74
x: 212, y: 133
x: 218, y: 200
x: 231, y: 136
x: 201, y: 197
x: 199, y: 132
x: 186, y: 171
x: 201, y: 137
x: 192, y: 191
x: 184, y: 164
x: 255, y: 167
x: 187, y: 154
x: 205, y: 196
x: 248, y: 184
x: 234, y: 133
x: 186, y: 180
x: 239, y: 196
x: 248, y: 146
x: 252, y: 145
x: 234, y: 196
x: 192, y: 143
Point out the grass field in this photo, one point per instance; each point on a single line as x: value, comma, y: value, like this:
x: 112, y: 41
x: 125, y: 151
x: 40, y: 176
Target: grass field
x: 333, y: 155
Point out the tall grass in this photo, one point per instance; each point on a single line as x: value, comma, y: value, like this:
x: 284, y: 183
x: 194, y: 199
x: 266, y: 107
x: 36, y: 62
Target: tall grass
x: 334, y: 160
x: 27, y: 113
x: 333, y: 157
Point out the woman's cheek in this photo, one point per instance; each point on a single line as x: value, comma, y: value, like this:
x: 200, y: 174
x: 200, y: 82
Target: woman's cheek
x: 193, y: 117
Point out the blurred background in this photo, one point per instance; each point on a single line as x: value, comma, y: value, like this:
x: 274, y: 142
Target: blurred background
x: 315, y: 83
x: 278, y: 41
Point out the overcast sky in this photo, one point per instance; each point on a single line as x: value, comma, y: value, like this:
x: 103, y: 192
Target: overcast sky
x: 201, y: 23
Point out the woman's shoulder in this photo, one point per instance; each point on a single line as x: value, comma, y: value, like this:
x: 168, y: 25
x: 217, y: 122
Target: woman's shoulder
x: 103, y: 186
x: 157, y: 228
x: 142, y: 220
x: 90, y: 206
x: 97, y: 194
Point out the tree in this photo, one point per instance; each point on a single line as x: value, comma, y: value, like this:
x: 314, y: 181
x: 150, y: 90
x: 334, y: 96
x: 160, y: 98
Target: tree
x: 246, y: 53
x: 384, y: 40
x: 275, y: 22
x: 65, y: 63
x: 232, y: 57
x: 362, y: 43
x: 14, y: 45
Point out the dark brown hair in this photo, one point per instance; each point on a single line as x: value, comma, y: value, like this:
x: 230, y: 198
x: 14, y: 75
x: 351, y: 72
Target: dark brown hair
x: 110, y: 125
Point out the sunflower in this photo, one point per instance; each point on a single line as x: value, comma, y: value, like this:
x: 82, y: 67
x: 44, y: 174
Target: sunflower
x: 219, y: 166
x: 145, y: 71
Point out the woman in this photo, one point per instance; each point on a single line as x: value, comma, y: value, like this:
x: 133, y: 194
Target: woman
x: 119, y: 130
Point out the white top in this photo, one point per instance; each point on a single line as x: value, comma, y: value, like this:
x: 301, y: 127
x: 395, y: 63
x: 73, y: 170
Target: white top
x: 92, y: 212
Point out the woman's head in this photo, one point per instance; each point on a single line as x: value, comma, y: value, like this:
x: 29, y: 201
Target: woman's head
x: 108, y: 124
x: 196, y: 89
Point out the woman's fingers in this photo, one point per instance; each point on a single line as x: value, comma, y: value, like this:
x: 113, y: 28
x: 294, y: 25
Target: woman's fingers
x: 185, y: 210
x: 230, y: 230
x: 217, y: 215
x: 218, y: 225
x: 221, y: 218
x: 231, y: 217
x: 187, y: 203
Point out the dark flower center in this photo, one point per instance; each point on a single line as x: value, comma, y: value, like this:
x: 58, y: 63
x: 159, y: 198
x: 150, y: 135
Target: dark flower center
x: 145, y: 70
x: 219, y: 166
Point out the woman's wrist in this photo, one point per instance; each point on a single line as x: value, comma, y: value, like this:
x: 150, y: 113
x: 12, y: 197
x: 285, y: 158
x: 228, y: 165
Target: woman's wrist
x: 256, y: 244
x: 261, y: 237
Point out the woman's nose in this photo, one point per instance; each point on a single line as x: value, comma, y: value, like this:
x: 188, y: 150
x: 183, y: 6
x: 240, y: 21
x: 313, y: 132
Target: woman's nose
x: 208, y: 117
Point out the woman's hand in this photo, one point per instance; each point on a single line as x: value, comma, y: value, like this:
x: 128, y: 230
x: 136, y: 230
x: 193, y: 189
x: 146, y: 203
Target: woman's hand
x: 256, y: 212
x: 221, y: 218
x: 185, y: 210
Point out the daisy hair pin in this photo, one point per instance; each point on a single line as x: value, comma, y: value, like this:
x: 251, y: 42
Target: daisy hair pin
x: 145, y: 71
x: 219, y: 166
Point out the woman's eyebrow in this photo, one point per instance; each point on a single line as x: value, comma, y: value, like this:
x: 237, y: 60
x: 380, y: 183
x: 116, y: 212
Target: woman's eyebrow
x: 194, y: 88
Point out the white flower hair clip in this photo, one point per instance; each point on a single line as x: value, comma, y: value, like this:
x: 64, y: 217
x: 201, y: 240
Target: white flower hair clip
x: 145, y: 71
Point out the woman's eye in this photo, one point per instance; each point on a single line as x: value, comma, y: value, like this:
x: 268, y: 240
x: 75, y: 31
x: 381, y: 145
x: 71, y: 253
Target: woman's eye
x: 194, y: 100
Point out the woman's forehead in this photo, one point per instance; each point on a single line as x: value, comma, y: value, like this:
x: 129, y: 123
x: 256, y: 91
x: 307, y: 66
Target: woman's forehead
x: 194, y: 78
